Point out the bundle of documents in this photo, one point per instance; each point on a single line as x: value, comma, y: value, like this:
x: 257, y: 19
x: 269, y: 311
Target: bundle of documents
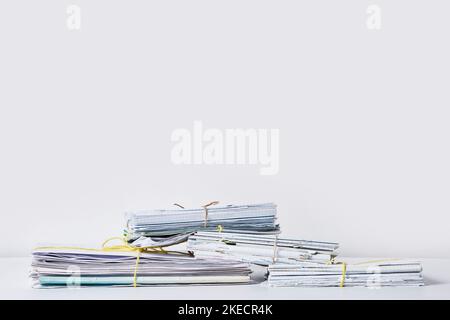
x: 369, y: 274
x: 224, y: 241
x: 260, y: 249
x: 168, y: 227
x: 58, y: 268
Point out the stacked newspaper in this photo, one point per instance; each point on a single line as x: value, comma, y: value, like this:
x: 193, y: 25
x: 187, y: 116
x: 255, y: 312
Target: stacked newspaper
x: 169, y: 227
x: 260, y: 249
x: 369, y: 274
x: 62, y: 267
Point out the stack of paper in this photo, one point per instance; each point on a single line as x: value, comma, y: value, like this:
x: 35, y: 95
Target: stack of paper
x: 375, y: 274
x: 168, y: 227
x: 56, y: 268
x: 260, y: 249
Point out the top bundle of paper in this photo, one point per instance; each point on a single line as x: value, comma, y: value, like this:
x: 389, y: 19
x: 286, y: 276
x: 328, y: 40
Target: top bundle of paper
x: 362, y: 274
x: 260, y: 249
x: 167, y: 227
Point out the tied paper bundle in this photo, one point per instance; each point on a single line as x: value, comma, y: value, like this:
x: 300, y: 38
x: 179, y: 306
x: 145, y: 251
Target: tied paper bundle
x: 168, y: 227
x: 260, y: 249
x: 69, y: 267
x: 366, y: 274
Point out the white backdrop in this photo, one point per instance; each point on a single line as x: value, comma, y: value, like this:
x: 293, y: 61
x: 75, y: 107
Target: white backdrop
x: 86, y: 117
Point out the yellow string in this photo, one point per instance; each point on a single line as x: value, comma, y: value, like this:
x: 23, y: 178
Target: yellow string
x: 344, y: 266
x: 219, y: 228
x: 344, y: 271
x: 124, y: 247
x: 135, y: 270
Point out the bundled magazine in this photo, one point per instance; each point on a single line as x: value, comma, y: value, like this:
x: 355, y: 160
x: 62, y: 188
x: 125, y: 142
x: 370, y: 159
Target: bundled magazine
x: 172, y: 226
x: 357, y: 274
x: 64, y: 267
x: 260, y: 249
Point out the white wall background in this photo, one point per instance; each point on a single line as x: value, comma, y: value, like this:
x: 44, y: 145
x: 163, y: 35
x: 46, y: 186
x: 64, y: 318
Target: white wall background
x: 86, y: 117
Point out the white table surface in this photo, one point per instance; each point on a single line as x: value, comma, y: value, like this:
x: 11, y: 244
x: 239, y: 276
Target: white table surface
x: 15, y: 284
